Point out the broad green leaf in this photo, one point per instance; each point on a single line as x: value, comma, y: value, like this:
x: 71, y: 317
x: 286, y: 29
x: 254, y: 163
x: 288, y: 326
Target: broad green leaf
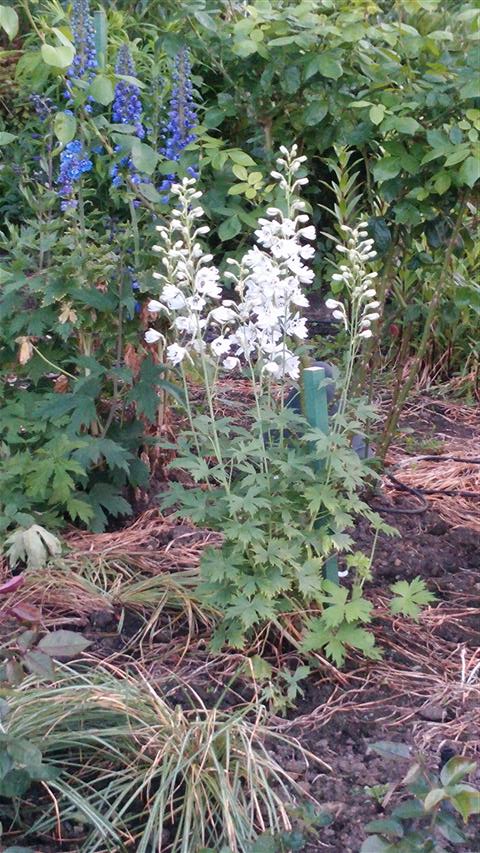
x: 9, y: 21
x: 405, y: 124
x: 144, y: 157
x: 470, y: 171
x: 386, y: 169
x: 433, y: 798
x: 24, y: 753
x: 15, y: 784
x: 455, y: 769
x: 245, y: 48
x: 329, y: 67
x: 241, y: 157
x: 60, y: 56
x: 63, y: 645
x: 376, y: 844
x: 229, y: 228
x: 65, y: 127
x: 377, y: 113
x: 150, y: 193
x: 315, y: 112
x: 240, y: 172
x: 6, y: 137
x: 466, y: 800
x: 387, y: 826
x: 101, y: 89
x: 38, y: 663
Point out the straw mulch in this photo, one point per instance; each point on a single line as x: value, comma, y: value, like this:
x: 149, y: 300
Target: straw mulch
x: 153, y: 542
x: 444, y: 475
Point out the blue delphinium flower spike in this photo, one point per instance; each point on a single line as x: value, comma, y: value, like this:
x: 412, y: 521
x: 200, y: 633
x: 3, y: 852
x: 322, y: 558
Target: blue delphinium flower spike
x: 126, y: 109
x: 182, y: 117
x: 83, y: 32
x: 73, y: 164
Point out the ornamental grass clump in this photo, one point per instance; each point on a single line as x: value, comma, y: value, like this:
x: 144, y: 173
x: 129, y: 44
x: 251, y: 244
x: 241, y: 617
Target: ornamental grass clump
x: 137, y: 774
x: 283, y: 494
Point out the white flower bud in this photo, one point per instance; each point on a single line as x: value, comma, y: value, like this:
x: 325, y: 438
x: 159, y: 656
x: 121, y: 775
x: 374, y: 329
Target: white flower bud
x: 152, y: 336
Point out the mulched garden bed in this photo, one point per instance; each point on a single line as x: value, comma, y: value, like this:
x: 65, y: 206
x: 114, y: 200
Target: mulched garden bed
x: 425, y: 692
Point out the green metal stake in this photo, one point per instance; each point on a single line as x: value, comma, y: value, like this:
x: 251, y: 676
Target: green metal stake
x: 316, y: 413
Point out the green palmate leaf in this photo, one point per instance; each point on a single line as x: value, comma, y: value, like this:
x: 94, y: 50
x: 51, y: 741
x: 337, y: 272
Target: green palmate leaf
x: 145, y: 391
x: 310, y: 578
x: 410, y: 597
x: 105, y: 498
x: 97, y: 449
x: 335, y: 641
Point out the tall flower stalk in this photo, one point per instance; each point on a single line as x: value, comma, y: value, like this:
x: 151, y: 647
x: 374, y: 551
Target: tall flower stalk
x: 83, y: 33
x: 259, y: 328
x: 126, y: 109
x: 363, y: 306
x: 179, y: 130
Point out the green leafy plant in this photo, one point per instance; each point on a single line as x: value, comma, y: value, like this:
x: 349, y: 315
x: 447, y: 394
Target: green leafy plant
x: 410, y: 597
x: 426, y: 818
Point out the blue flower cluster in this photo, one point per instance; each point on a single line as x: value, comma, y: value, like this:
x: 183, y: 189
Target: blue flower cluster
x: 127, y: 106
x: 126, y: 109
x: 73, y: 164
x: 182, y: 117
x: 43, y: 106
x: 83, y: 32
x: 85, y: 59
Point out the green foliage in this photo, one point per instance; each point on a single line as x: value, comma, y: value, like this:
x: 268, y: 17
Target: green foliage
x: 425, y: 819
x: 281, y: 518
x: 409, y: 598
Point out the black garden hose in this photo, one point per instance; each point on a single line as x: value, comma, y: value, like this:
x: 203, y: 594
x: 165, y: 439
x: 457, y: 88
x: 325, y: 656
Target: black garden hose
x: 419, y: 492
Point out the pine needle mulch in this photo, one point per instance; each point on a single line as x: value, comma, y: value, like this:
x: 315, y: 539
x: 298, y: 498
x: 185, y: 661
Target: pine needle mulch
x: 456, y: 470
